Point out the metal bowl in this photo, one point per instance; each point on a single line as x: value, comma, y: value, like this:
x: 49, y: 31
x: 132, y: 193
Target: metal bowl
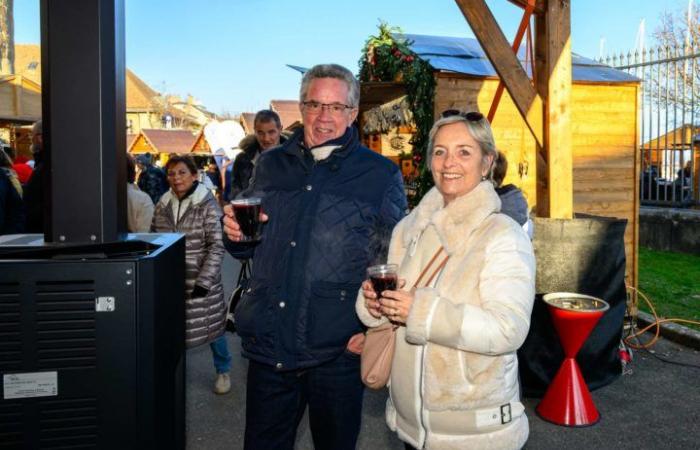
x: 575, y: 302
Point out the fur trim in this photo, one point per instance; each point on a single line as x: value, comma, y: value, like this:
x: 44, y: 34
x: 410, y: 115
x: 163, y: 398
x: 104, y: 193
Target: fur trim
x: 419, y: 316
x: 451, y: 221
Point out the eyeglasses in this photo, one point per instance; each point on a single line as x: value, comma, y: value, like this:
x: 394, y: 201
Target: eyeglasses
x: 335, y: 109
x: 472, y: 116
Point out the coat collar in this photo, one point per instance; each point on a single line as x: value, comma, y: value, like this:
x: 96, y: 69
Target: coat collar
x: 345, y: 143
x: 456, y: 221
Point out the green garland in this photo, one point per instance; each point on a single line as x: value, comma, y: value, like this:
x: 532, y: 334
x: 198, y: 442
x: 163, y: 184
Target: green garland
x: 388, y: 57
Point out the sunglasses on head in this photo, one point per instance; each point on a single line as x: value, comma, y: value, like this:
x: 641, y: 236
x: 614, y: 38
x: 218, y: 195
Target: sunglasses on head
x: 471, y: 116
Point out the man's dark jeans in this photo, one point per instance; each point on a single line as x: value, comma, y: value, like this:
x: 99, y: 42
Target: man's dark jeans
x: 275, y: 403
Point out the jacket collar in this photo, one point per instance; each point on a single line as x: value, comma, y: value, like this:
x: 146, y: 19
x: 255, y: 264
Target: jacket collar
x: 345, y: 143
x: 456, y: 221
x: 195, y: 195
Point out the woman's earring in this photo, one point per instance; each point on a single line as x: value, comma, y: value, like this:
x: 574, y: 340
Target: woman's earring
x: 483, y: 178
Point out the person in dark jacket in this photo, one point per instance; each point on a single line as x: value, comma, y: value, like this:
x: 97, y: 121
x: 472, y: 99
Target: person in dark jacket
x: 190, y: 208
x: 513, y: 202
x: 34, y: 190
x: 268, y: 134
x: 332, y: 204
x: 11, y: 205
x: 152, y: 179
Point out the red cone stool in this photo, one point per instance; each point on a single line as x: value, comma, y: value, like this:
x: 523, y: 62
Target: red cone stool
x: 567, y: 400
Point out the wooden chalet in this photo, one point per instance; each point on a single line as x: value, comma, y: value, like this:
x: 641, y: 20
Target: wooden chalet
x: 163, y: 142
x: 602, y: 125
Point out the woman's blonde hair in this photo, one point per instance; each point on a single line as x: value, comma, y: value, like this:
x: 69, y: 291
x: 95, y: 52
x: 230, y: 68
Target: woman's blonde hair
x: 479, y: 129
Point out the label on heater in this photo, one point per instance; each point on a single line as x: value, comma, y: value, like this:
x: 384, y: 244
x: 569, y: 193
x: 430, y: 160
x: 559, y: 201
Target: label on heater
x: 28, y: 385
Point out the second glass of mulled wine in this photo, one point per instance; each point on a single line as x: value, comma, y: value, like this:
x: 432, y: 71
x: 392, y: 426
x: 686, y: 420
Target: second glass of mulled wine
x: 383, y: 277
x: 247, y: 212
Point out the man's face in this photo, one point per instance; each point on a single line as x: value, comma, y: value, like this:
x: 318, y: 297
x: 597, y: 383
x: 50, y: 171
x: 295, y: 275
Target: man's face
x: 324, y: 125
x: 37, y: 141
x: 267, y: 134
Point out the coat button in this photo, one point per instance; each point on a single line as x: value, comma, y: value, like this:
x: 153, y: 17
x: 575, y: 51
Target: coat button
x: 293, y: 244
x: 308, y: 187
x: 249, y: 290
x: 282, y: 304
x: 278, y: 366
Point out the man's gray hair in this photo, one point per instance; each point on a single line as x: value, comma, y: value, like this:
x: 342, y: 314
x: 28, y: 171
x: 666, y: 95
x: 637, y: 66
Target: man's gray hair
x: 480, y: 130
x: 332, y: 71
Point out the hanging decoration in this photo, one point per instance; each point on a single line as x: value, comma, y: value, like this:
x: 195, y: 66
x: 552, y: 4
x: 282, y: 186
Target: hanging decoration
x: 388, y: 57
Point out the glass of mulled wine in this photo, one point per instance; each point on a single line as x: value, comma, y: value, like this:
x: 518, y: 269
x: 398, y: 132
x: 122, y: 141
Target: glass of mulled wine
x: 247, y: 212
x: 383, y: 277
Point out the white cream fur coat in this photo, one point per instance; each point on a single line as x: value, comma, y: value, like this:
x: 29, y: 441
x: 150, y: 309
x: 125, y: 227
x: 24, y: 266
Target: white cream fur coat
x: 456, y: 356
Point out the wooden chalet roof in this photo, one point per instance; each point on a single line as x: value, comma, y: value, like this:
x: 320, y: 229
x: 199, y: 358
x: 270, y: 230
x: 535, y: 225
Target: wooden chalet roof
x: 163, y: 141
x: 20, y: 99
x: 200, y: 144
x: 288, y: 111
x: 130, y: 138
x: 247, y: 120
x: 683, y: 136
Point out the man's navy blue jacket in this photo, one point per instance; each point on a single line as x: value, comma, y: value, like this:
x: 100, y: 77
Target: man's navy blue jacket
x: 328, y: 221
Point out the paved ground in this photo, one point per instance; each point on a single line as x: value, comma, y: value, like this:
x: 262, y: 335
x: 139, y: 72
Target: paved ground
x: 655, y: 407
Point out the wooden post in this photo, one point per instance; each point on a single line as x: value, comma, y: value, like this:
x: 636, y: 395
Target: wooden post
x: 557, y: 128
x: 506, y: 63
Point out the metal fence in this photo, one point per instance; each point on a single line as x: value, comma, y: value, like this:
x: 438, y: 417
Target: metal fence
x: 670, y: 129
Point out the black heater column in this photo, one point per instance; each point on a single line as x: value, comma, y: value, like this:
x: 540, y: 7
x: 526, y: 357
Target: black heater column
x: 83, y: 109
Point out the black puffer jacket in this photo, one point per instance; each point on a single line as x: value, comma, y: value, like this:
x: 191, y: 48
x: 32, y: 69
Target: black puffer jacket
x: 329, y: 220
x: 244, y: 163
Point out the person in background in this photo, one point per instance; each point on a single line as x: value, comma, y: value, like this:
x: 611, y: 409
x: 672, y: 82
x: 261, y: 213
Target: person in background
x: 11, y: 205
x: 151, y: 179
x: 34, y: 190
x: 139, y: 205
x: 190, y: 208
x: 454, y: 375
x: 268, y: 134
x: 215, y: 177
x: 332, y: 204
x: 19, y: 165
x: 513, y: 203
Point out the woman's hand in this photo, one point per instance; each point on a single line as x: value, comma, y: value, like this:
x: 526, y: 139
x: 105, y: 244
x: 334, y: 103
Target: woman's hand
x: 371, y: 301
x: 231, y: 227
x: 396, y: 304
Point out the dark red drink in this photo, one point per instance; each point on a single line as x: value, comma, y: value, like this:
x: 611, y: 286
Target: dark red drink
x: 383, y: 282
x: 383, y: 278
x: 247, y: 212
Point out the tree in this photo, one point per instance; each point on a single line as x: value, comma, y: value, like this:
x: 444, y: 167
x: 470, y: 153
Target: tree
x: 7, y: 38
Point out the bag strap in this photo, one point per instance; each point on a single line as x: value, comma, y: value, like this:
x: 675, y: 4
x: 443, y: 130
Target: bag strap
x: 244, y: 274
x: 429, y: 265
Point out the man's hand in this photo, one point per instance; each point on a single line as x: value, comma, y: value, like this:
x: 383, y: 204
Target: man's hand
x: 356, y: 343
x: 231, y: 227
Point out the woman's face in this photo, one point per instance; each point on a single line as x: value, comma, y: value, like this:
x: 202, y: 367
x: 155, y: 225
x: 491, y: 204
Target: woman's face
x: 458, y: 163
x: 180, y: 179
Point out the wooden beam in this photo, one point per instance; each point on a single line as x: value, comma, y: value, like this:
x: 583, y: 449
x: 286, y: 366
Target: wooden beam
x: 553, y: 53
x: 506, y: 63
x: 540, y: 5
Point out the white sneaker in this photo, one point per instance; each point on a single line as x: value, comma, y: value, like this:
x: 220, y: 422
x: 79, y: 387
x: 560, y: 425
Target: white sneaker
x: 222, y: 384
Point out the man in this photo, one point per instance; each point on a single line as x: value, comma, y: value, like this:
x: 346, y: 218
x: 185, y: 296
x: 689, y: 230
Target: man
x: 34, y: 190
x: 152, y: 179
x: 268, y: 134
x: 139, y: 205
x: 332, y: 204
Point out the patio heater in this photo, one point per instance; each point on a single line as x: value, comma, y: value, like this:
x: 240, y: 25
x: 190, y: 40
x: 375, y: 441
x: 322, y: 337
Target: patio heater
x: 91, y: 318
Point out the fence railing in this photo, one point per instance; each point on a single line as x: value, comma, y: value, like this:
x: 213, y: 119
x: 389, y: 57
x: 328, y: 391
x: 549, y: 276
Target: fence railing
x: 670, y: 130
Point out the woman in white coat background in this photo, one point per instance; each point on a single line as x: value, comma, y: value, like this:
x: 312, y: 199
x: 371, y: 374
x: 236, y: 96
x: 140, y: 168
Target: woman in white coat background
x: 454, y: 378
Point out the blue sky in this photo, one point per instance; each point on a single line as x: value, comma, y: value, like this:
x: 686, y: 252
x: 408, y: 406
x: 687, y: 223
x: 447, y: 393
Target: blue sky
x: 231, y: 54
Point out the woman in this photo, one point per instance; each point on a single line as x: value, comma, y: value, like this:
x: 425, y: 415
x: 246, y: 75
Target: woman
x: 189, y: 208
x: 454, y: 377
